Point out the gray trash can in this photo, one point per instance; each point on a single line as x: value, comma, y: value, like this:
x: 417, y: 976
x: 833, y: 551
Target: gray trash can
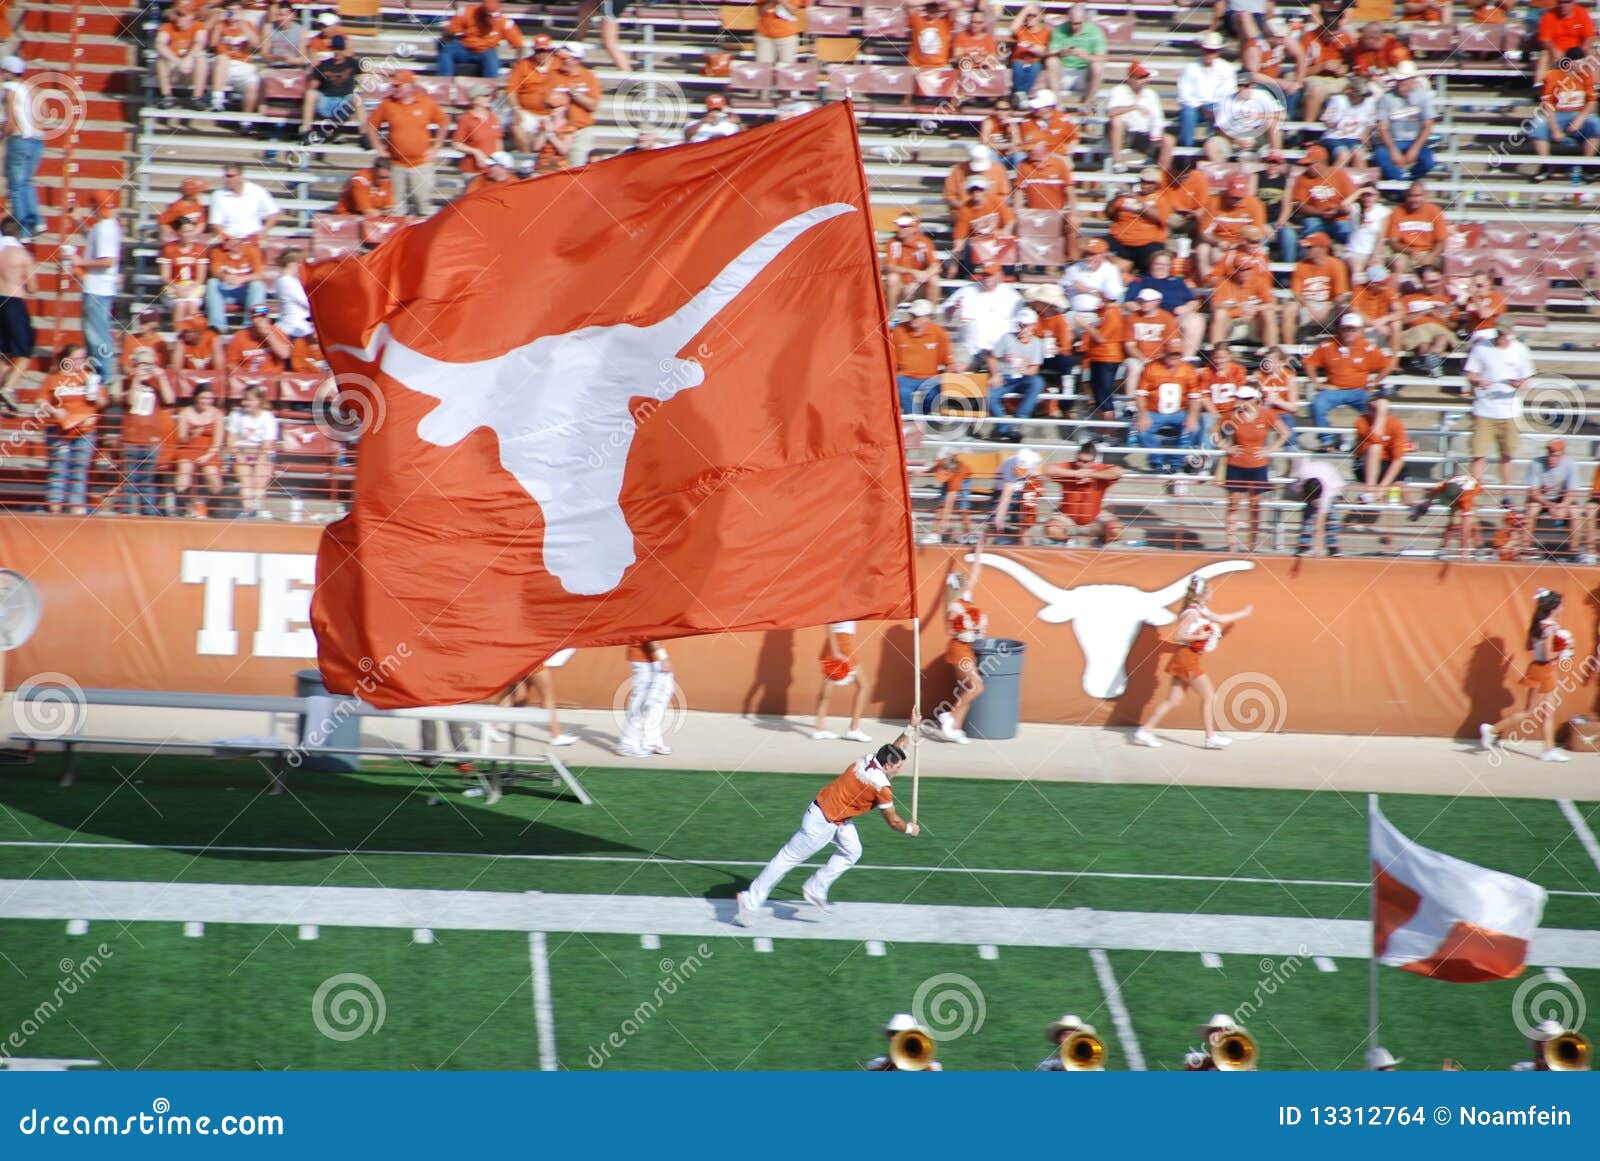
x: 994, y: 714
x: 339, y: 732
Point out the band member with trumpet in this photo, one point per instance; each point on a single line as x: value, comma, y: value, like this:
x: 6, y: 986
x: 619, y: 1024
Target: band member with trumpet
x: 1224, y: 1047
x: 911, y: 1048
x: 1556, y: 1049
x: 1380, y: 1059
x: 829, y: 819
x: 1078, y: 1047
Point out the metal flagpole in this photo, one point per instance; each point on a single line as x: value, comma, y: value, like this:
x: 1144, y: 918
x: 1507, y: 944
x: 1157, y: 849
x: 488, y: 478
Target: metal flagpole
x: 916, y: 713
x: 1372, y: 946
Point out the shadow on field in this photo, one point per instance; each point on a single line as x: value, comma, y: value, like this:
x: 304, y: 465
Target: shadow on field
x: 215, y: 808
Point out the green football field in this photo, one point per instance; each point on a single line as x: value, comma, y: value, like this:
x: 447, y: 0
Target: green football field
x: 234, y: 991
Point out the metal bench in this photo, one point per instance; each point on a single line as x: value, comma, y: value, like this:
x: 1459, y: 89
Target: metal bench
x: 316, y: 714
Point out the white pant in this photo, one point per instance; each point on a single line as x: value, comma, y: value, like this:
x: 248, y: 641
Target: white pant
x: 648, y: 699
x: 815, y: 833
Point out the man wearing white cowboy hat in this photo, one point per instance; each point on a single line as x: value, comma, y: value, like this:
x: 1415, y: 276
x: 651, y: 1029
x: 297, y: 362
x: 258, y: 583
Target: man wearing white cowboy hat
x: 1058, y: 1031
x: 1380, y: 1059
x: 1201, y: 84
x: 1049, y: 302
x: 1405, y: 120
x: 898, y: 1023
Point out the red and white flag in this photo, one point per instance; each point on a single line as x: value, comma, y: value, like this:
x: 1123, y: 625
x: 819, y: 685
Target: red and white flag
x: 1439, y: 916
x: 648, y: 398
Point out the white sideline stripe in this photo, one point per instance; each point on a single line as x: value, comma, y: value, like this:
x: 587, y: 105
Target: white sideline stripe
x: 1136, y: 876
x: 650, y: 942
x: 544, y: 1011
x: 988, y: 951
x: 193, y: 930
x: 761, y: 943
x: 875, y: 947
x: 1324, y: 964
x: 77, y: 927
x: 1581, y: 829
x: 1556, y: 975
x: 1210, y: 959
x: 407, y: 908
x: 1120, y: 1020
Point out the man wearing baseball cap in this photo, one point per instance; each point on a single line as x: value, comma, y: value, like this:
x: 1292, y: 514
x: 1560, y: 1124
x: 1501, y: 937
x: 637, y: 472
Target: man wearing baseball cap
x: 981, y: 313
x: 922, y: 354
x: 1552, y: 492
x: 1351, y: 367
x: 471, y: 42
x: 910, y: 262
x: 1225, y: 218
x: 1094, y: 279
x: 1319, y: 289
x: 571, y: 76
x: 981, y: 164
x: 1013, y: 369
x: 1135, y: 119
x: 1202, y: 84
x: 1138, y: 218
x: 980, y: 222
x: 408, y: 128
x: 718, y: 121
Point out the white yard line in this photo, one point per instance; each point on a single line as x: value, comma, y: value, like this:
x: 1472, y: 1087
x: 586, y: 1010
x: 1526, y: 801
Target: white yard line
x: 1027, y: 872
x: 544, y: 1011
x: 1120, y: 1020
x: 1253, y: 935
x: 1581, y: 828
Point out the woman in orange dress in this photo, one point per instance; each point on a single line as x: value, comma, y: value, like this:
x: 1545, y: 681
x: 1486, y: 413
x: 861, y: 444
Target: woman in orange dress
x: 966, y: 623
x: 1196, y: 633
x: 1552, y: 650
x: 199, y: 447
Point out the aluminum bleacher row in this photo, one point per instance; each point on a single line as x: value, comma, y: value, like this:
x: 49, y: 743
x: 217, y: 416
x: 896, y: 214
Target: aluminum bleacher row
x: 1539, y: 240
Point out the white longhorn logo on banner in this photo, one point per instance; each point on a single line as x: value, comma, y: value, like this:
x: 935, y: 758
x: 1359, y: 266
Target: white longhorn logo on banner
x: 1106, y: 619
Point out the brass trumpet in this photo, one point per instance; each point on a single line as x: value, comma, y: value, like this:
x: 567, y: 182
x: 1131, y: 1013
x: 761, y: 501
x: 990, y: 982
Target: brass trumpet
x: 911, y: 1050
x: 1083, y: 1052
x: 1233, y: 1051
x: 1568, y: 1052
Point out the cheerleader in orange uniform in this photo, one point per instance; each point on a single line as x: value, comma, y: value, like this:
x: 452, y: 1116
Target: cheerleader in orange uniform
x: 966, y: 623
x: 1196, y: 633
x: 839, y: 667
x: 1551, y: 645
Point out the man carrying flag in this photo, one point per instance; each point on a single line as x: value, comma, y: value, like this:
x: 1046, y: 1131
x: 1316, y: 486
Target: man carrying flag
x: 586, y: 430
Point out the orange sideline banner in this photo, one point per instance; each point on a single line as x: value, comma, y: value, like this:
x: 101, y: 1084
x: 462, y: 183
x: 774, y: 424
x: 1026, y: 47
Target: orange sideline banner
x: 1334, y: 646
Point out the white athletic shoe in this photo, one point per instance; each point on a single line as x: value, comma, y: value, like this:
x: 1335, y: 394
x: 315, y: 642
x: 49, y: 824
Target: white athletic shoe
x: 658, y: 748
x: 1555, y: 756
x: 564, y: 740
x: 960, y: 738
x: 814, y: 899
x: 745, y: 913
x: 1143, y: 737
x: 472, y: 792
x: 823, y: 735
x: 1486, y: 736
x: 947, y: 726
x: 632, y: 751
x: 857, y: 736
x: 1218, y: 742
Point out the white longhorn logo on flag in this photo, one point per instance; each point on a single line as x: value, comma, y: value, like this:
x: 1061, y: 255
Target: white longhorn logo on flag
x: 552, y: 402
x: 1106, y: 619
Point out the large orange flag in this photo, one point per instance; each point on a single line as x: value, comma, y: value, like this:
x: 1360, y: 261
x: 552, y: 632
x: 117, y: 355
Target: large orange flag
x: 649, y: 398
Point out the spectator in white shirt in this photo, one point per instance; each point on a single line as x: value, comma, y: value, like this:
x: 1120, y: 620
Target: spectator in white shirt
x: 99, y: 271
x: 1369, y: 222
x: 1318, y: 485
x: 252, y: 433
x: 1094, y: 280
x: 241, y: 209
x: 980, y: 314
x: 1348, y: 119
x: 1497, y: 369
x: 1201, y: 84
x: 1250, y: 115
x: 294, y: 308
x: 1135, y: 120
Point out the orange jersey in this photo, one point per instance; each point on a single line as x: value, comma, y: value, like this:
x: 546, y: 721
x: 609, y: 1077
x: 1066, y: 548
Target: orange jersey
x: 248, y: 353
x: 1277, y: 388
x: 1112, y: 329
x: 145, y: 419
x: 1189, y: 195
x: 1370, y: 62
x: 1391, y: 439
x: 1082, y: 499
x: 1222, y: 387
x: 365, y: 192
x: 1249, y: 439
x: 930, y: 42
x: 235, y: 40
x: 183, y: 208
x: 185, y: 260
x: 410, y: 127
x: 1045, y: 185
x: 69, y: 392
x: 1225, y: 222
x: 1417, y: 231
x: 201, y: 356
x: 1567, y: 91
x: 915, y: 253
x: 1426, y: 308
x: 1322, y: 281
x: 180, y: 40
x: 955, y: 182
x: 1245, y: 285
x: 859, y: 789
x: 478, y: 129
x: 1346, y: 367
x: 1373, y: 302
x: 138, y: 342
x: 781, y: 20
x: 1131, y: 227
x: 983, y: 220
x: 1479, y: 313
x: 583, y: 82
x: 1057, y: 131
x: 921, y: 356
x: 526, y: 85
x: 1322, y: 195
x: 1164, y: 390
x: 243, y: 262
x: 1149, y: 333
x: 479, y: 30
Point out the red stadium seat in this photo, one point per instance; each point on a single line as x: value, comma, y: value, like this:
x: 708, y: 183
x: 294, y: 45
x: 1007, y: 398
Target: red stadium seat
x: 1002, y: 250
x: 1118, y: 29
x: 266, y: 384
x: 1528, y: 293
x: 989, y: 84
x: 1506, y: 237
x: 441, y: 89
x: 326, y: 251
x: 375, y: 230
x: 1041, y: 252
x: 1039, y: 224
x: 298, y: 388
x: 191, y: 381
x: 1564, y: 267
x: 1480, y: 39
x: 1509, y: 264
x: 283, y: 86
x: 748, y: 77
x: 828, y: 21
x: 796, y: 78
x: 1573, y: 241
x: 889, y: 23
x: 1431, y: 40
x: 936, y: 82
x: 336, y: 227
x: 1460, y: 263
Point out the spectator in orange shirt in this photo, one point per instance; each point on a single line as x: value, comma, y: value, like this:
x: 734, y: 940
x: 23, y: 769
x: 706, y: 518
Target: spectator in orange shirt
x: 184, y: 267
x: 1326, y: 52
x: 1417, y: 229
x: 1139, y: 222
x: 973, y: 51
x: 1376, y: 51
x: 236, y: 279
x: 471, y: 41
x: 555, y: 137
x: 1478, y: 307
x: 1249, y: 438
x: 1490, y: 11
x: 1047, y: 123
x: 1084, y: 483
x: 1224, y: 216
x: 478, y: 133
x: 1351, y: 368
x: 1378, y: 302
x: 408, y: 129
x: 146, y: 338
x: 1316, y: 203
x: 570, y: 75
x: 1102, y: 345
x: 778, y: 27
x: 980, y: 163
x: 257, y: 348
x: 922, y: 354
x: 1044, y: 182
x: 1567, y: 113
x: 1319, y: 289
x: 1380, y: 454
x: 1426, y: 335
x: 982, y: 216
x: 187, y: 205
x: 181, y: 53
x: 1030, y: 42
x: 1169, y: 396
x: 910, y: 263
x: 1242, y: 293
x: 931, y: 31
x: 1565, y: 27
x: 72, y: 397
x: 1279, y: 387
x: 199, y: 348
x: 369, y: 192
x: 501, y: 169
x: 1146, y: 332
x: 145, y: 431
x: 235, y: 42
x: 525, y: 88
